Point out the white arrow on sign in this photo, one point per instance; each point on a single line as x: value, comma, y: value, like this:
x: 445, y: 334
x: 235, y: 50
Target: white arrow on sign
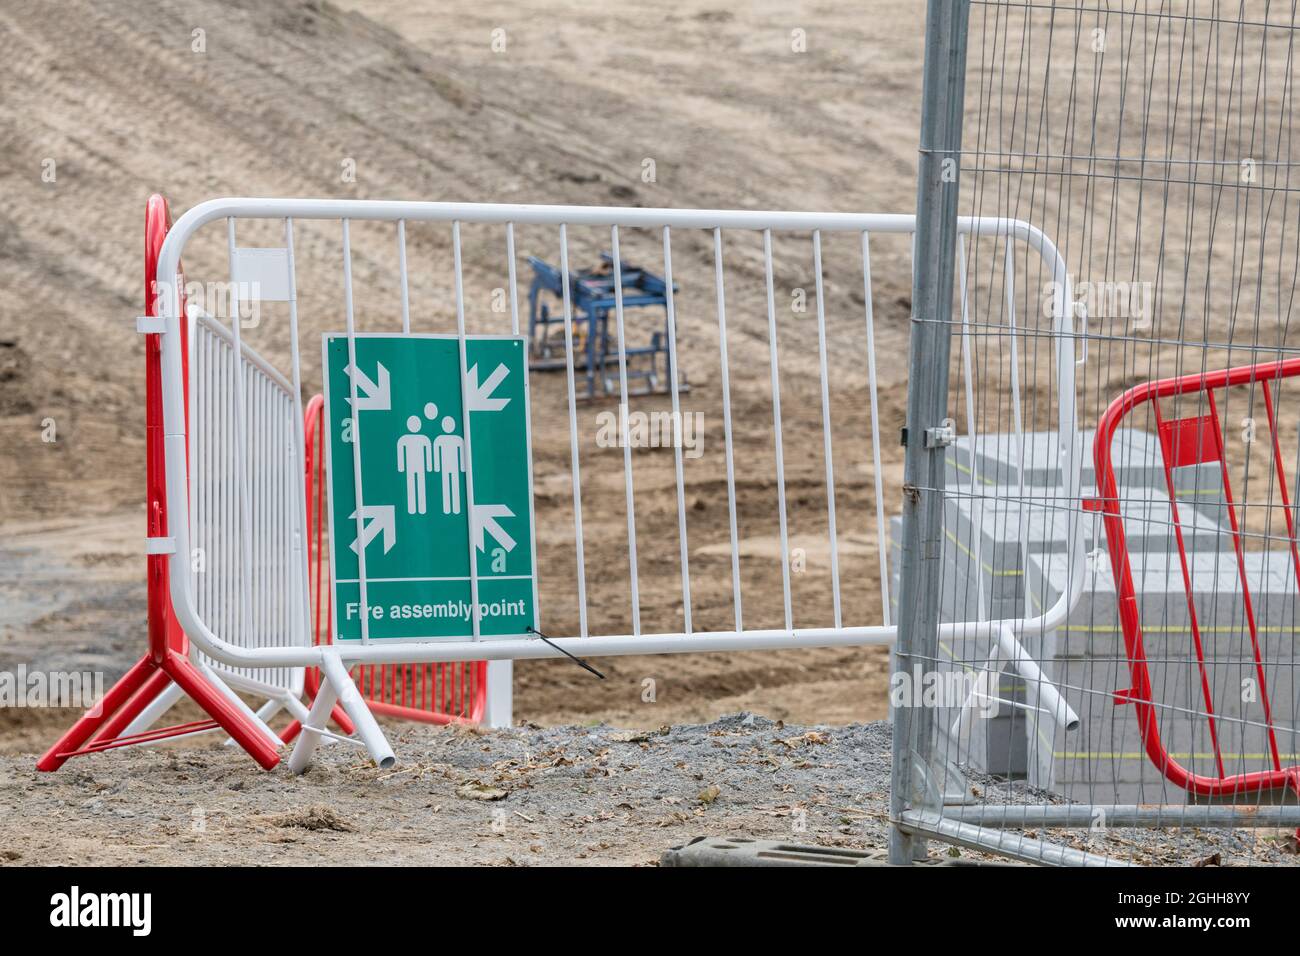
x: 485, y: 519
x: 480, y: 396
x: 376, y: 518
x: 371, y: 396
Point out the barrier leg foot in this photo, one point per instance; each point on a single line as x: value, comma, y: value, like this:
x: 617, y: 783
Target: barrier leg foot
x: 80, y: 732
x: 214, y: 679
x: 300, y: 759
x: 264, y: 715
x: 244, y: 727
x: 367, y: 727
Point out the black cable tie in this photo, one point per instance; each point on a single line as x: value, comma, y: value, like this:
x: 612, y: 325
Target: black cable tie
x: 578, y: 660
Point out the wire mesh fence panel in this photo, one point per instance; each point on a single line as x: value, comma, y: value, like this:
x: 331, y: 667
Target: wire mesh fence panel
x: 1155, y: 144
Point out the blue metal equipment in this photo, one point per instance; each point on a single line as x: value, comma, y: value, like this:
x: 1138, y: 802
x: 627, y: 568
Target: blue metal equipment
x: 595, y: 347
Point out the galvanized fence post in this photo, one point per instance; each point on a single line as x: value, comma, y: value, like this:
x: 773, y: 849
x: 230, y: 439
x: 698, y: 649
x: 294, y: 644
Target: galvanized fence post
x: 934, y: 258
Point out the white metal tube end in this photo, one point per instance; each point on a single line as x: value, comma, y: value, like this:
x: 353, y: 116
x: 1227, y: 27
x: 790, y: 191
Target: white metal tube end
x: 1049, y: 698
x: 367, y: 727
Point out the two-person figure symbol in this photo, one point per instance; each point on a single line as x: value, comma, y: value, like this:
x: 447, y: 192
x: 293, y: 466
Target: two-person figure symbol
x: 417, y: 456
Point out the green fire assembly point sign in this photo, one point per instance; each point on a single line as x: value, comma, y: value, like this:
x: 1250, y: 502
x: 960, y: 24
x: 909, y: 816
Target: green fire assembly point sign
x: 419, y: 473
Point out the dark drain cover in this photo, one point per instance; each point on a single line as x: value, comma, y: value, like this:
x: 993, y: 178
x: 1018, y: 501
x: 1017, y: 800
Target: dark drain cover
x: 742, y: 851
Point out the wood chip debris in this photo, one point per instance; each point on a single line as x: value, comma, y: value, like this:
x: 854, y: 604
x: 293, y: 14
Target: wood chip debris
x: 709, y: 794
x: 804, y: 740
x: 473, y: 790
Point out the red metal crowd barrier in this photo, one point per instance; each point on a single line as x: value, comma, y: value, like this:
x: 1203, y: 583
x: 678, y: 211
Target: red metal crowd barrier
x: 167, y: 660
x: 1187, y: 441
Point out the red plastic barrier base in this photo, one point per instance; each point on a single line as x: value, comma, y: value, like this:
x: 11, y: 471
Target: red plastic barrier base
x: 130, y: 695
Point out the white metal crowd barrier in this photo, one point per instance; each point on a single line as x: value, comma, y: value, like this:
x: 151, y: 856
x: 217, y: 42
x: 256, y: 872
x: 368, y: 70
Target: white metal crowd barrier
x: 238, y: 474
x: 243, y: 562
x: 246, y: 544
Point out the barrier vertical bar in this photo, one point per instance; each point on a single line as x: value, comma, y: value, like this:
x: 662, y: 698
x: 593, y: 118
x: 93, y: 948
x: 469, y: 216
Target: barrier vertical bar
x: 1017, y: 413
x: 629, y: 495
x: 882, y: 534
x: 720, y: 293
x: 356, y: 432
x: 826, y: 427
x: 776, y: 429
x: 973, y: 481
x: 465, y: 428
x: 573, y: 430
x: 402, y: 277
x: 300, y: 555
x: 683, y: 551
x: 241, y: 483
x: 500, y: 674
